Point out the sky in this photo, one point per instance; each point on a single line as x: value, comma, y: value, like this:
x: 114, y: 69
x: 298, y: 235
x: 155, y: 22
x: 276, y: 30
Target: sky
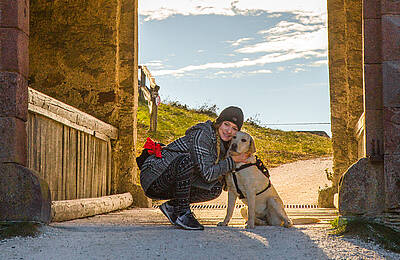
x: 267, y: 57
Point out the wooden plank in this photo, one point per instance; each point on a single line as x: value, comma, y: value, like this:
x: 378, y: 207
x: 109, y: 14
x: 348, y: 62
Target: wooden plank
x: 81, y: 165
x: 29, y: 134
x: 57, y: 150
x: 149, y: 76
x: 35, y: 146
x: 42, y: 132
x: 70, y: 154
x: 94, y: 168
x: 110, y: 168
x: 73, y: 161
x: 85, y: 164
x: 88, y: 177
x: 68, y: 115
x: 99, y: 168
x: 65, y: 165
x: 36, y: 143
x: 105, y: 169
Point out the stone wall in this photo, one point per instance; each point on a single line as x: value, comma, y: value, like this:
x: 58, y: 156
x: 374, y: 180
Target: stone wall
x: 345, y: 80
x: 84, y: 53
x: 390, y: 15
x: 23, y: 195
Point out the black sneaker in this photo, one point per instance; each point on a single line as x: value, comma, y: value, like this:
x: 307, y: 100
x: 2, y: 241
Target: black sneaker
x: 188, y: 221
x: 168, y: 211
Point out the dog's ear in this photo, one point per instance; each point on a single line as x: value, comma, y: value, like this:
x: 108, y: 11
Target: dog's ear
x: 252, y: 146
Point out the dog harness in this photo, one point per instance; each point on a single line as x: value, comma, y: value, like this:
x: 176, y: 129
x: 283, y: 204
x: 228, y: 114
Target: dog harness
x: 260, y: 167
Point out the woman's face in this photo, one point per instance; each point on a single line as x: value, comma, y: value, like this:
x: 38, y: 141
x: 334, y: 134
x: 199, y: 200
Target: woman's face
x: 227, y: 130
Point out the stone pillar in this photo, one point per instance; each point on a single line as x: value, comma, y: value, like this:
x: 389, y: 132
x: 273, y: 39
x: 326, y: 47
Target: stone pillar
x: 373, y: 105
x: 23, y: 195
x: 127, y: 80
x: 390, y: 22
x: 345, y: 80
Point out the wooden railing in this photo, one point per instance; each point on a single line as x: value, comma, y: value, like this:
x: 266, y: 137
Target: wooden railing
x: 150, y: 93
x: 69, y: 149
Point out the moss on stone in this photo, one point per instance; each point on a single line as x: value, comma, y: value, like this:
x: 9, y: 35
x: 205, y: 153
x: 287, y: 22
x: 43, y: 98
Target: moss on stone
x: 367, y: 230
x: 18, y: 229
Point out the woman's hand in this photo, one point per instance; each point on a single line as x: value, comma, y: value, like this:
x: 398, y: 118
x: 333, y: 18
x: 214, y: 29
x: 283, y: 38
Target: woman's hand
x: 241, y: 158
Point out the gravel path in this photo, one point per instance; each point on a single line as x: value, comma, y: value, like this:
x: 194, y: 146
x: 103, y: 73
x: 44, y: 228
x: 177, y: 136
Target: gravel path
x: 120, y: 236
x: 146, y: 234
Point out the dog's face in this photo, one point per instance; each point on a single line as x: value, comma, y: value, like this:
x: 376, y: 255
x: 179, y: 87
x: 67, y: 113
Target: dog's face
x: 241, y: 143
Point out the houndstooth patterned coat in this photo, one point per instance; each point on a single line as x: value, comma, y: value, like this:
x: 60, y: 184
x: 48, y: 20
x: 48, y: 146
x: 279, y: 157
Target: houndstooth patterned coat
x: 200, y: 141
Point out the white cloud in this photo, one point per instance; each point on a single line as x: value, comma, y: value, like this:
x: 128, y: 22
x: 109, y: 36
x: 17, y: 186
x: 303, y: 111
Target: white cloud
x: 288, y: 27
x: 239, y: 41
x: 222, y: 72
x: 266, y: 59
x: 282, y: 6
x: 288, y: 36
x: 154, y: 63
x: 260, y: 72
x: 297, y: 70
x: 162, y: 9
x: 319, y: 63
x: 306, y: 40
x: 274, y: 15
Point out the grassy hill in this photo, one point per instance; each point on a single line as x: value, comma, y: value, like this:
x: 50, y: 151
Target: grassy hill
x: 274, y: 147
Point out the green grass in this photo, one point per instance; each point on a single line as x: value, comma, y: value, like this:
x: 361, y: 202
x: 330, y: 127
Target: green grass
x: 367, y: 231
x: 22, y: 229
x: 274, y: 147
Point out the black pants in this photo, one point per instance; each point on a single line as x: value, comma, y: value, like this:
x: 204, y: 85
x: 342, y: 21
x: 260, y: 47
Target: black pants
x: 175, y: 184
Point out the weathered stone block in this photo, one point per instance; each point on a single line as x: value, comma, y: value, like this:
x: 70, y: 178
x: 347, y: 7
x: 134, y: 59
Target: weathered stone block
x: 392, y: 130
x: 13, y: 140
x: 374, y: 132
x: 361, y: 191
x: 373, y: 86
x: 15, y: 14
x: 13, y: 95
x: 392, y: 181
x: 390, y: 6
x: 372, y: 41
x: 23, y: 195
x: 371, y: 8
x: 390, y: 81
x: 14, y: 51
x: 390, y: 37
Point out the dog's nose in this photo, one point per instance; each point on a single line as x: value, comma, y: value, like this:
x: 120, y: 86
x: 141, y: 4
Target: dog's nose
x: 234, y: 146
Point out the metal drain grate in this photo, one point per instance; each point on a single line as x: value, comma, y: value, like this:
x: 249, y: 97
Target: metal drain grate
x: 301, y: 206
x: 239, y: 206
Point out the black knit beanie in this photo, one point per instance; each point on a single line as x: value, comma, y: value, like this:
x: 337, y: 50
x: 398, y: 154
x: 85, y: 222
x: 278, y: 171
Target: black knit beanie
x: 231, y: 114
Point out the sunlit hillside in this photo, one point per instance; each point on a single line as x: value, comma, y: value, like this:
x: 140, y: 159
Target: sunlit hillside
x: 274, y: 147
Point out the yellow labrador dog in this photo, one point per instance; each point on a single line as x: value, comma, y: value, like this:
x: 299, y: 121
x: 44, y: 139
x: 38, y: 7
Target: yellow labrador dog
x: 265, y: 207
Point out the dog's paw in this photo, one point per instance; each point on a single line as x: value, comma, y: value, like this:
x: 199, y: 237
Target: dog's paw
x: 222, y: 224
x: 288, y: 223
